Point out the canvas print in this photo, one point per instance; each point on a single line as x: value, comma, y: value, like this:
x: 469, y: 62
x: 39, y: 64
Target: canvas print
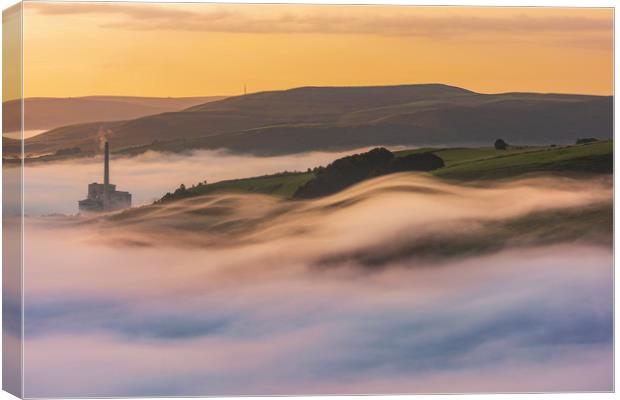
x: 209, y: 199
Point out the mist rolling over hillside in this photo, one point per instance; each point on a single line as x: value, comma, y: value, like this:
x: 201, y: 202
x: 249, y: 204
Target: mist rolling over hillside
x: 244, y: 217
x: 455, y: 287
x: 394, y: 200
x: 324, y: 118
x: 480, y: 165
x: 460, y: 284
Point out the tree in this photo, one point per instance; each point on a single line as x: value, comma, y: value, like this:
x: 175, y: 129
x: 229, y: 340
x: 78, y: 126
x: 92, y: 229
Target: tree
x: 586, y: 140
x: 500, y: 144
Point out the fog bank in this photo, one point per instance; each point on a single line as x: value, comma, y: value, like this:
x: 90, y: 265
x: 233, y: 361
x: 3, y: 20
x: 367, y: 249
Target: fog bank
x: 231, y: 294
x: 56, y: 187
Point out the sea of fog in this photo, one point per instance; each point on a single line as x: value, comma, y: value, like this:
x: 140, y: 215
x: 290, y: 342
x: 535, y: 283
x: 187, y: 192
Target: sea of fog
x: 57, y: 187
x: 229, y: 294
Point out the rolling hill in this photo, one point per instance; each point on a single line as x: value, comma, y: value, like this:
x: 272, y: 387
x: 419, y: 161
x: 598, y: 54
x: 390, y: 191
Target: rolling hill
x: 324, y: 118
x: 44, y: 113
x: 460, y: 165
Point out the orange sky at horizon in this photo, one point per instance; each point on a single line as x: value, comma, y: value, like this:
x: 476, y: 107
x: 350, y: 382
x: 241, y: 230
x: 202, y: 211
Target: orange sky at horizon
x: 194, y: 49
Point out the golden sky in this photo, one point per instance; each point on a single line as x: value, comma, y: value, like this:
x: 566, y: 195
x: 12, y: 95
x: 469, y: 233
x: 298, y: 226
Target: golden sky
x: 156, y: 49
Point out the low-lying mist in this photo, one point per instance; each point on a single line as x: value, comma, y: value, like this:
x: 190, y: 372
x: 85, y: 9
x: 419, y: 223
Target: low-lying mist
x: 402, y: 284
x: 377, y: 216
x: 56, y: 187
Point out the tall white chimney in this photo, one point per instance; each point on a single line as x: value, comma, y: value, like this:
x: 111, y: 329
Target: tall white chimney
x: 106, y: 177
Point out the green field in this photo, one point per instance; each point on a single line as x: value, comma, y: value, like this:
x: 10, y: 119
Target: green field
x: 588, y: 158
x: 281, y: 185
x: 461, y: 164
x: 457, y: 155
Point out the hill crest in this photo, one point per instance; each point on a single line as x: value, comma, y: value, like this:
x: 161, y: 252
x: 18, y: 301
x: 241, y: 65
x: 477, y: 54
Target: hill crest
x: 318, y: 118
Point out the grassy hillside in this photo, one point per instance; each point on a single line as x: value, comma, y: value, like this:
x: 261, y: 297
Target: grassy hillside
x: 321, y: 103
x: 281, y: 185
x: 458, y: 155
x: 322, y: 118
x: 588, y: 158
x: 461, y: 164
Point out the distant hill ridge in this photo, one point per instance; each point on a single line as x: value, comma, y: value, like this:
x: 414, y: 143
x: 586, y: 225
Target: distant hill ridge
x: 53, y: 112
x: 334, y: 99
x: 326, y: 118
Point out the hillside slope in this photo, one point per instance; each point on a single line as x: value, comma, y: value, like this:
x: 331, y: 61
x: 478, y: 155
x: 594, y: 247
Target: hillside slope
x: 44, y: 113
x: 319, y: 118
x: 461, y: 164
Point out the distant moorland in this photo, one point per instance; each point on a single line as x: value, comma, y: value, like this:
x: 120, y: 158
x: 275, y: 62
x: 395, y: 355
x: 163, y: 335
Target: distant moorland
x: 333, y: 118
x: 46, y: 113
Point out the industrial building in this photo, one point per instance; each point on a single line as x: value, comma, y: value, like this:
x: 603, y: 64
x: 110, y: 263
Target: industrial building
x: 104, y: 197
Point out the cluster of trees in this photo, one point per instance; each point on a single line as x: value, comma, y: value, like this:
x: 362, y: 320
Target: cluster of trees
x: 413, y: 162
x: 181, y: 192
x: 344, y: 172
x: 350, y: 170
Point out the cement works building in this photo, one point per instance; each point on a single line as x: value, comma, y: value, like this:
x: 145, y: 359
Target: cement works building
x: 104, y: 197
